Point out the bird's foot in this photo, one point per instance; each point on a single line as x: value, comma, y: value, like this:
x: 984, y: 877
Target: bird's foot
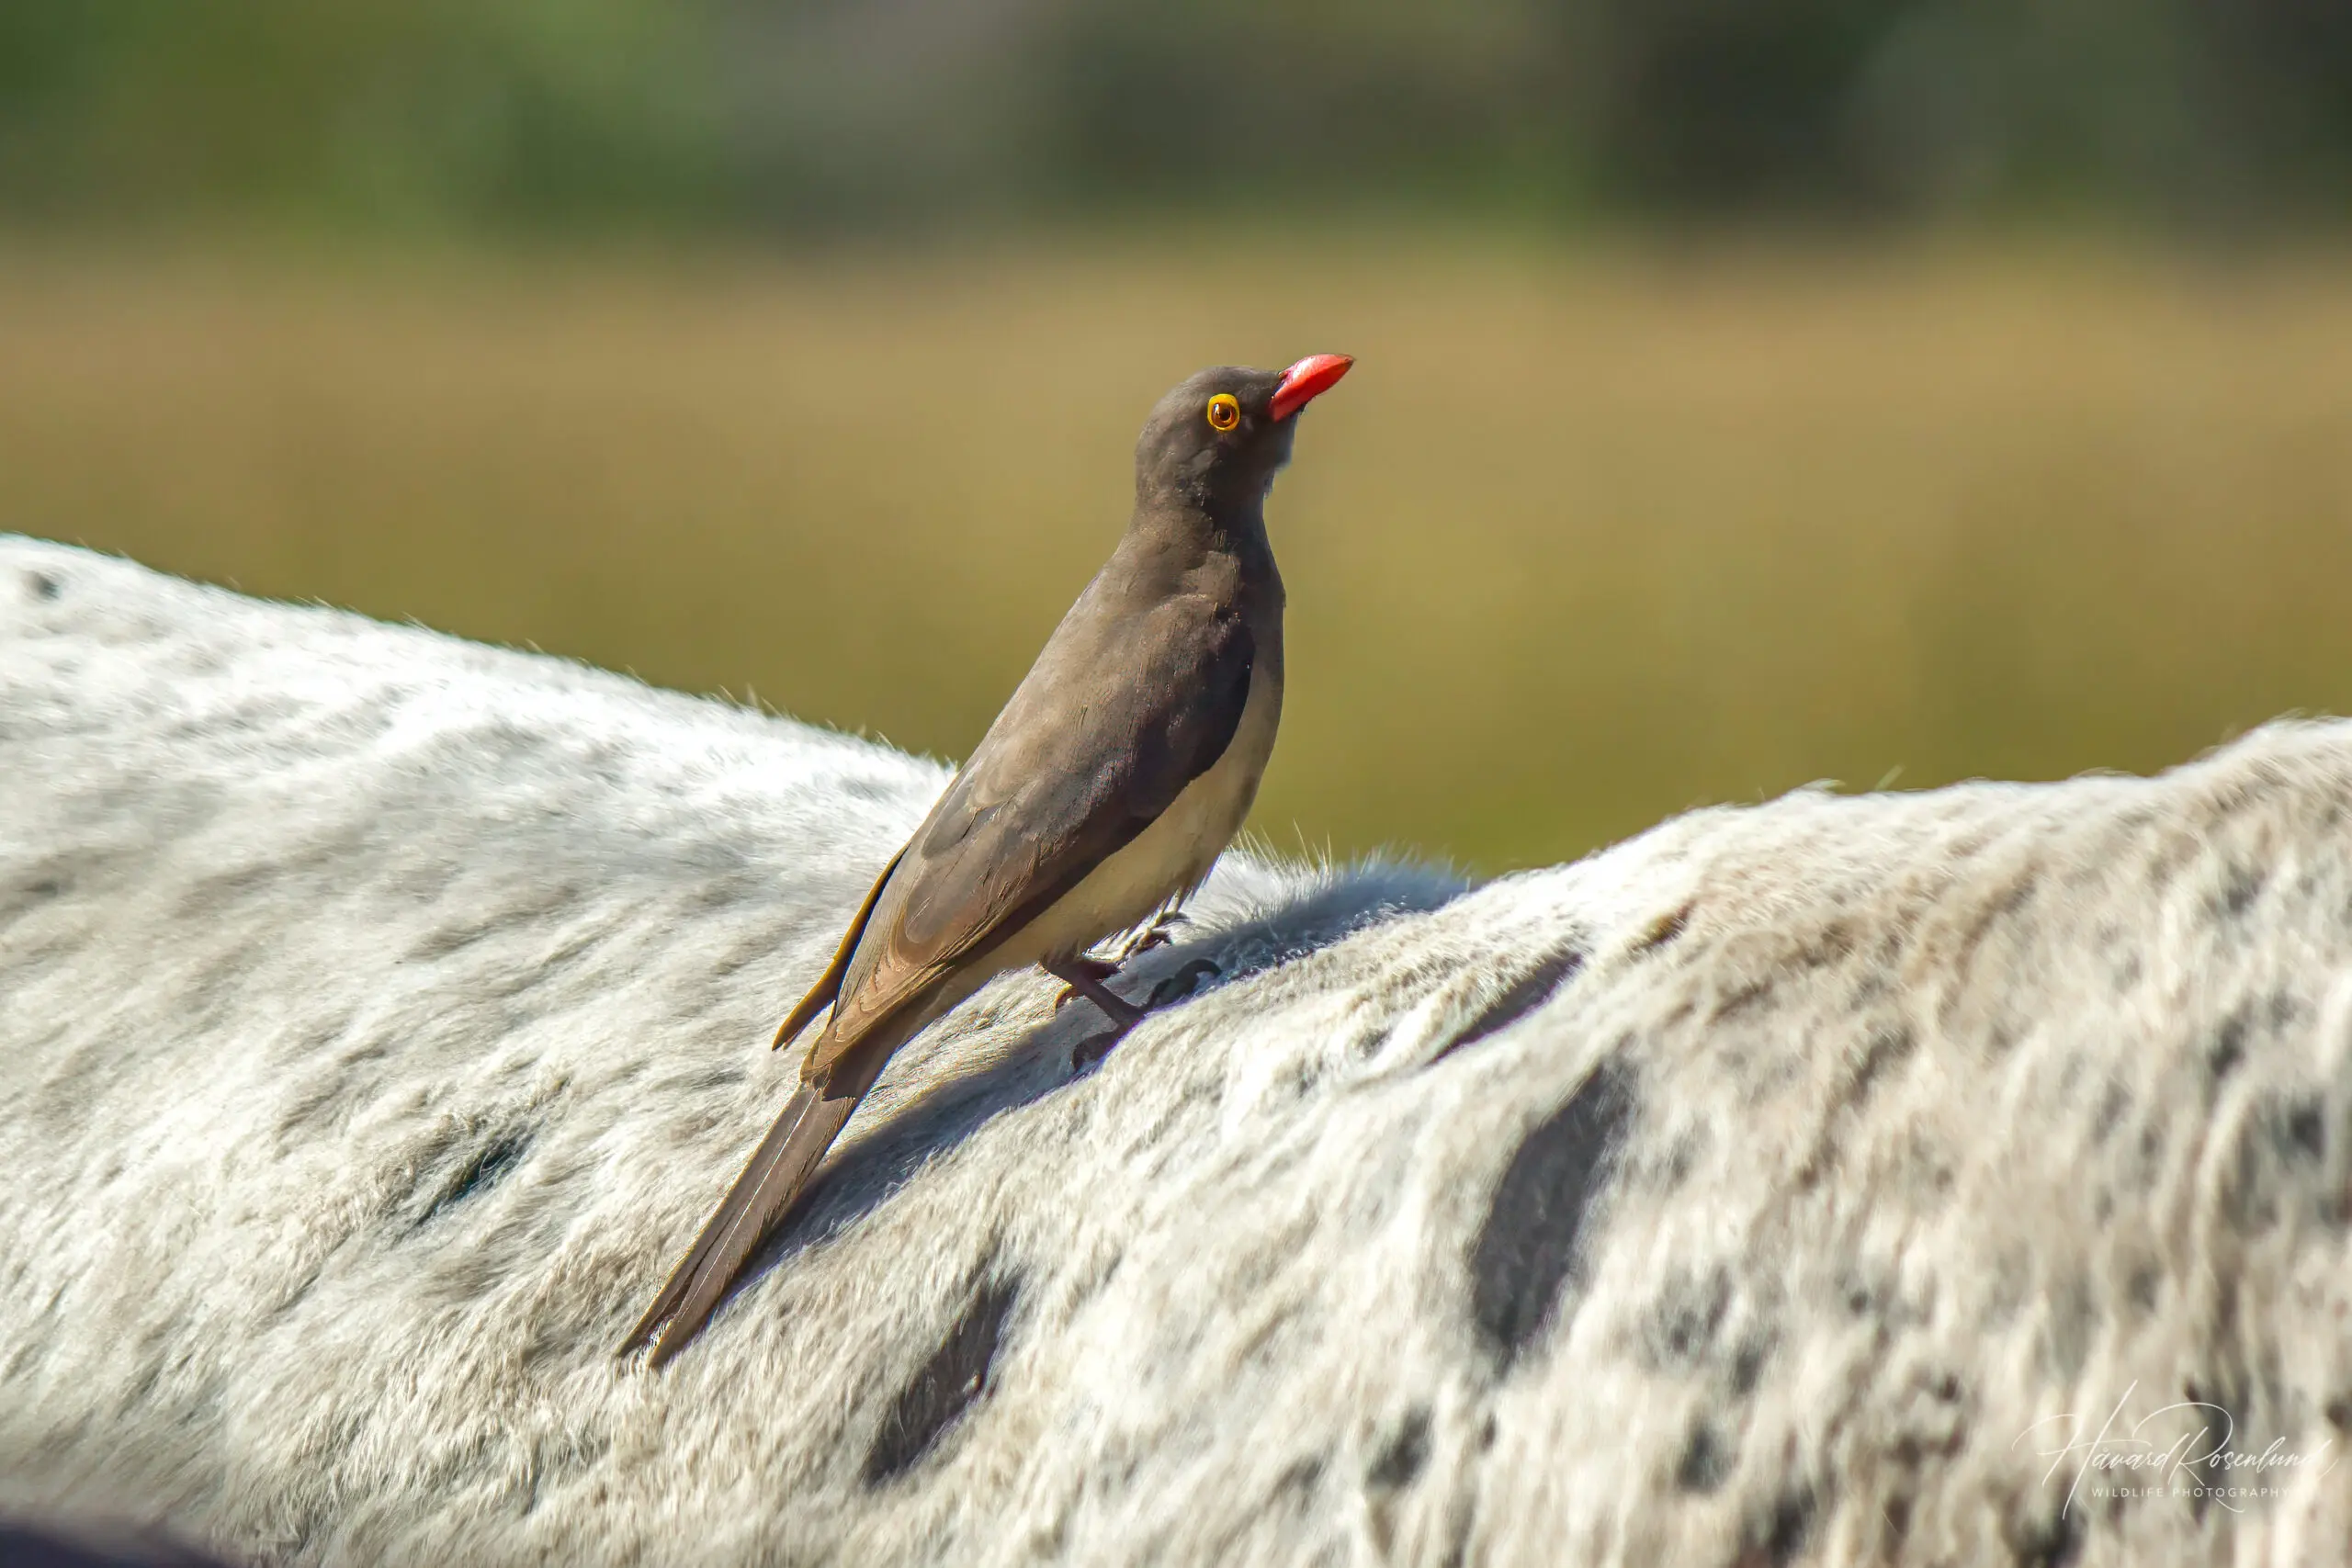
x: 1084, y: 977
x: 1081, y: 977
x: 1153, y: 935
x: 1075, y: 973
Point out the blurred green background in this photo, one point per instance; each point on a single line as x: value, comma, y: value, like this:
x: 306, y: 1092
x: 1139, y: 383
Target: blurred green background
x: 1750, y: 393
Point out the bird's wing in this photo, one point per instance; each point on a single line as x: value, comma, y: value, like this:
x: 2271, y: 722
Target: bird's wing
x: 828, y: 984
x: 1100, y: 739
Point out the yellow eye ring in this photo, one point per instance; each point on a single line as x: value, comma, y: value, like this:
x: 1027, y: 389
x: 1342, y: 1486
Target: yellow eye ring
x: 1225, y: 410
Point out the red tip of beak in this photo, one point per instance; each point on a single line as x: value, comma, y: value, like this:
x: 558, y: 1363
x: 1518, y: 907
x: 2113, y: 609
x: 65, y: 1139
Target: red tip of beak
x: 1307, y: 380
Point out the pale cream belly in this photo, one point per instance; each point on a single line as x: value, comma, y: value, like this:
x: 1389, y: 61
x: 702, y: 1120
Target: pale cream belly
x: 1165, y: 860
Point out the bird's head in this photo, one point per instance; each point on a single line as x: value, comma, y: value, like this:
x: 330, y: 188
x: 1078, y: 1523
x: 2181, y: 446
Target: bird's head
x: 1217, y: 440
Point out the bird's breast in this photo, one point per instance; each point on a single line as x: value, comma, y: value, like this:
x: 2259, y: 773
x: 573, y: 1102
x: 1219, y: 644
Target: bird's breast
x: 1174, y: 853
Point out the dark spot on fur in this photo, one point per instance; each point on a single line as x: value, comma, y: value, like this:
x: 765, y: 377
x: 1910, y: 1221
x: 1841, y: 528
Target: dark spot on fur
x: 946, y: 1386
x: 2249, y: 1194
x: 2170, y: 858
x: 1527, y: 1246
x: 1682, y: 1156
x: 2015, y: 895
x: 1528, y: 993
x: 1890, y: 1044
x: 1896, y: 1511
x: 1747, y: 1364
x: 2112, y: 1104
x: 2006, y: 903
x: 1664, y: 931
x: 2338, y: 1412
x: 1781, y: 1535
x: 1740, y: 998
x: 1404, y: 1456
x: 213, y: 895
x: 480, y: 1173
x: 2229, y: 1045
x: 725, y: 892
x: 1298, y: 1478
x: 2142, y: 1287
x: 2241, y: 884
x: 1833, y: 941
x: 2050, y: 1539
x: 2070, y: 1321
x: 1704, y: 1462
x: 2302, y: 1129
x: 1486, y: 1433
x: 446, y: 939
x: 1682, y: 1324
x: 40, y: 585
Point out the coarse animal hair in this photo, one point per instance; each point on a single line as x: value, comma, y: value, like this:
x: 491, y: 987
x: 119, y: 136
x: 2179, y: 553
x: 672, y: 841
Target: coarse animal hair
x: 380, y: 1013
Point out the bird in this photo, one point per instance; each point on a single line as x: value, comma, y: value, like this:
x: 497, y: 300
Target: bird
x: 1095, y: 804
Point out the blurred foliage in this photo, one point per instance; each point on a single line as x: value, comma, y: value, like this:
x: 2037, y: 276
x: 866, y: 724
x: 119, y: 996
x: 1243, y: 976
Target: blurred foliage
x: 801, y: 115
x: 1587, y: 536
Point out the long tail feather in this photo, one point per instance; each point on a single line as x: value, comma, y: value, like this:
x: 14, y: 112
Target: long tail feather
x: 674, y: 1289
x: 775, y: 1176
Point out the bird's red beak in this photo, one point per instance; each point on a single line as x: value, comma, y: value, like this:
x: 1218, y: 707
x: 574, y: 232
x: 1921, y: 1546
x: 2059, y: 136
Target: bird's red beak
x: 1307, y: 380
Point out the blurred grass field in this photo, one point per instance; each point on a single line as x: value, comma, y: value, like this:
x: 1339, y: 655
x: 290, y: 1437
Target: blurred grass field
x: 1588, y: 537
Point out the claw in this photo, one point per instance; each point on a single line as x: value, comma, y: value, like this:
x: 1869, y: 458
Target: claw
x: 1153, y: 935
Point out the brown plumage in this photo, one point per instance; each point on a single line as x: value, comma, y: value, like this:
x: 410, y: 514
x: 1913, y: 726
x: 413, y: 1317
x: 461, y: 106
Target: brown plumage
x: 1119, y: 771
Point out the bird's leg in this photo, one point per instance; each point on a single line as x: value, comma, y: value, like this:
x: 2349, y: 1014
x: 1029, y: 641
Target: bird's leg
x: 1095, y: 969
x: 1098, y: 970
x: 1153, y: 935
x: 1083, y: 977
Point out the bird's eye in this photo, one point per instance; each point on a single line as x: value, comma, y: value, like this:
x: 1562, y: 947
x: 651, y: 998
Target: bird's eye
x: 1225, y: 410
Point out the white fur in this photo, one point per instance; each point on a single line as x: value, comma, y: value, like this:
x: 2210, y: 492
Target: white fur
x: 1935, y: 1115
